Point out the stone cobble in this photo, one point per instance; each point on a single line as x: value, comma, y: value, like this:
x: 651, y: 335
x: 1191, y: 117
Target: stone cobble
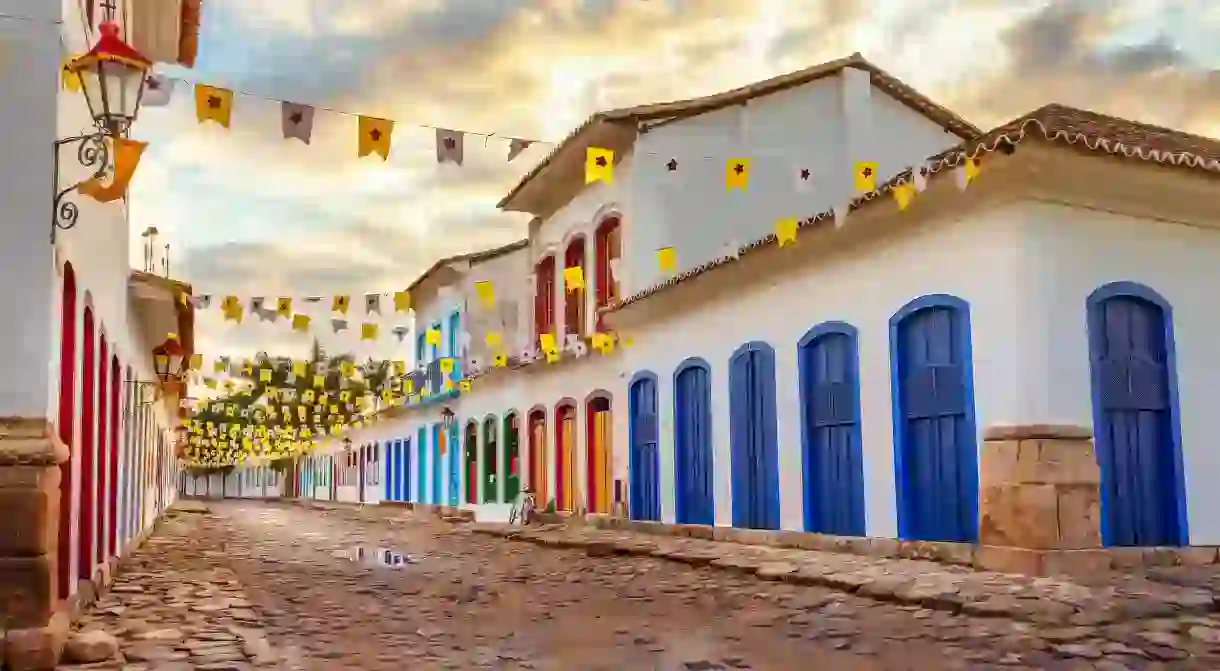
x: 381, y: 589
x: 923, y: 583
x: 173, y: 606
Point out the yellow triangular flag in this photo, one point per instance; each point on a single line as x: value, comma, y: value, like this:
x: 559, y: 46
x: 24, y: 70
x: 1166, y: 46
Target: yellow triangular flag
x: 970, y: 170
x: 402, y: 301
x: 374, y: 137
x: 264, y: 375
x: 903, y: 193
x: 70, y: 80
x: 368, y: 331
x: 213, y: 104
x: 864, y: 176
x: 283, y: 307
x: 499, y: 361
x: 785, y: 231
x: 400, y: 367
x: 433, y: 337
x: 127, y: 155
x: 464, y: 385
x: 574, y: 278
x: 546, y: 342
x: 486, y: 292
x: 339, y: 304
x: 599, y: 165
x: 667, y: 259
x: 446, y: 365
x: 196, y: 361
x: 493, y: 339
x: 737, y: 173
x: 298, y: 368
x: 300, y: 322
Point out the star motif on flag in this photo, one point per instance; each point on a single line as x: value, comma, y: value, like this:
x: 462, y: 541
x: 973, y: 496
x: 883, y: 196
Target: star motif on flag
x: 152, y: 83
x: 296, y: 118
x: 375, y: 134
x: 805, y: 173
x: 600, y: 161
x: 214, y: 102
x: 450, y: 143
x: 672, y: 165
x: 739, y: 168
x: 867, y: 172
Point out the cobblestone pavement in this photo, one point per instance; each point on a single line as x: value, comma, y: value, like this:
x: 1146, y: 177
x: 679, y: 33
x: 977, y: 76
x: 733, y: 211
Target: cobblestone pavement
x: 427, y: 594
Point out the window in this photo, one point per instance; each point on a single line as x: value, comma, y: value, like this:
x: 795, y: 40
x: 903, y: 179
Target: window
x: 544, y: 297
x: 574, y: 300
x: 455, y: 325
x: 419, y: 348
x: 434, y: 351
x: 608, y: 249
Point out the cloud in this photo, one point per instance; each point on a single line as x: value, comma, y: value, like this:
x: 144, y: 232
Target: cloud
x: 250, y: 213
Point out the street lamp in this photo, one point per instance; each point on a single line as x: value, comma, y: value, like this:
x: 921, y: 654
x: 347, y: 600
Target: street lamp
x: 112, y: 76
x: 168, y: 358
x: 447, y: 418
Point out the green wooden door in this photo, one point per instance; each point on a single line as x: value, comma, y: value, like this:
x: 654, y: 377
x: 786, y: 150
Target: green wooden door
x: 490, y: 461
x: 512, y: 482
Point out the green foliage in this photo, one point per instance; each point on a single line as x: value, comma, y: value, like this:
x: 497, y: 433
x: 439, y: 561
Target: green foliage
x: 256, y: 399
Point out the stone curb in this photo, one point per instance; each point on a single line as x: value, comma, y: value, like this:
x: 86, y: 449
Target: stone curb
x: 886, y: 588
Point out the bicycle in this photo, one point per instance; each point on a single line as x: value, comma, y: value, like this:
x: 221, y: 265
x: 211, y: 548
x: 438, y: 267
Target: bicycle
x: 525, y: 510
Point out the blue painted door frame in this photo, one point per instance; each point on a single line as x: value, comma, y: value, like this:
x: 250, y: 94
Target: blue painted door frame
x: 1136, y: 424
x: 695, y: 498
x: 391, y: 453
x: 437, y: 466
x: 832, y: 459
x: 404, y: 483
x: 644, y: 465
x: 753, y: 437
x: 935, y: 441
x: 454, y: 453
x: 421, y: 469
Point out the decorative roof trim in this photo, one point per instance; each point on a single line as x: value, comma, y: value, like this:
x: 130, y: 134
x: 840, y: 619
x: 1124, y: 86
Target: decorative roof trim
x: 188, y: 33
x: 1057, y: 124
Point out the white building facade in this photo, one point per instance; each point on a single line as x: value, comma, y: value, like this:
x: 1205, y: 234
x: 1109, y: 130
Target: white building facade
x: 1045, y: 288
x: 91, y: 445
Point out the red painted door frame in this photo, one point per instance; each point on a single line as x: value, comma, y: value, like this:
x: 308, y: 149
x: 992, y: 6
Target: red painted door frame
x: 84, y: 550
x: 67, y: 426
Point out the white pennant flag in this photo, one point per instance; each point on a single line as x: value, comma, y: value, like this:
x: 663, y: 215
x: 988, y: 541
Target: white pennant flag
x: 803, y: 179
x: 841, y: 215
x: 919, y: 179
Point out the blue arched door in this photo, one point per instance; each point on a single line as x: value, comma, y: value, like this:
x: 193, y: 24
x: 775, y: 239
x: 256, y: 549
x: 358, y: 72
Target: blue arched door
x: 830, y: 430
x: 693, y: 444
x: 752, y: 434
x: 454, y: 455
x: 644, y: 461
x: 1131, y: 354
x: 935, y: 441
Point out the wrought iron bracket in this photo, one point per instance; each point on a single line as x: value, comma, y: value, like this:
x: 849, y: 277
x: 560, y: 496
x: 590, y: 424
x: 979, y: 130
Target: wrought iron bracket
x: 92, y: 151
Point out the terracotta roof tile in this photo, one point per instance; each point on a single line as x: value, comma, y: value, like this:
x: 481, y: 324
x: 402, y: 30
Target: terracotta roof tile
x: 1057, y: 124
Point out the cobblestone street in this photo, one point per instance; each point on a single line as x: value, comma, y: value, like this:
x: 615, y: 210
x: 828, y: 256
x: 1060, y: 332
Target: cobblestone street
x: 282, y: 587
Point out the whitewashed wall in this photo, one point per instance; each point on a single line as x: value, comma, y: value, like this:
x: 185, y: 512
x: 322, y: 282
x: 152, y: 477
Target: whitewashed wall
x: 510, y: 275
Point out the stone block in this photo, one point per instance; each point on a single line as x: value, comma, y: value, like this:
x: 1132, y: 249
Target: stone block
x: 1057, y: 462
x: 36, y: 648
x: 1009, y: 560
x: 29, y: 497
x: 883, y: 547
x: 1127, y: 558
x: 30, y: 441
x: 1022, y: 516
x: 998, y: 462
x: 27, y: 590
x: 1079, y: 517
x: 1078, y: 563
x: 1197, y: 556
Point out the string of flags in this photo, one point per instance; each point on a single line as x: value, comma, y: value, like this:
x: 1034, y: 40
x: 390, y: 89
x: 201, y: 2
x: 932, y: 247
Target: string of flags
x: 300, y: 313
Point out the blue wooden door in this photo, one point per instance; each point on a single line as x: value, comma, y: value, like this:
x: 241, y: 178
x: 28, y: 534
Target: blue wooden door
x: 421, y: 471
x: 1130, y: 345
x: 455, y: 464
x: 830, y: 431
x: 935, y: 416
x: 693, y: 445
x: 390, y: 448
x: 404, y: 482
x: 753, y: 437
x: 644, y: 463
x: 437, y: 467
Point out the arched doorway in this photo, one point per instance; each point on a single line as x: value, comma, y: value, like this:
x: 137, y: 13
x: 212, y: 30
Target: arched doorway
x: 67, y: 424
x: 644, y: 461
x: 470, y: 450
x: 537, y: 438
x: 1135, y: 422
x: 695, y: 501
x: 512, y: 455
x: 85, y: 537
x: 753, y: 437
x: 598, y: 450
x: 936, y: 469
x: 565, y: 451
x: 491, y: 462
x: 832, y: 461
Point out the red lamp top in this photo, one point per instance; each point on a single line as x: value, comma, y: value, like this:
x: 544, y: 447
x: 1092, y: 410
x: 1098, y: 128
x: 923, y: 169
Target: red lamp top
x: 110, y: 47
x: 171, y: 347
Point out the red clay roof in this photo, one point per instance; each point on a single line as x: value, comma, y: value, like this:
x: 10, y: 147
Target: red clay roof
x: 695, y: 106
x: 1057, y: 124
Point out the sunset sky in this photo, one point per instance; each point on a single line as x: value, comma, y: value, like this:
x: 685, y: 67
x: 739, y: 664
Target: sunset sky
x: 251, y: 214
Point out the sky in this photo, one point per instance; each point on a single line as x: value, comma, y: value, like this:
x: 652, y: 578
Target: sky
x: 248, y: 213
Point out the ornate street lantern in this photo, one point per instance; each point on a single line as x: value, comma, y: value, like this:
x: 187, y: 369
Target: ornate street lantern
x: 168, y: 358
x: 112, y: 77
x: 447, y: 418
